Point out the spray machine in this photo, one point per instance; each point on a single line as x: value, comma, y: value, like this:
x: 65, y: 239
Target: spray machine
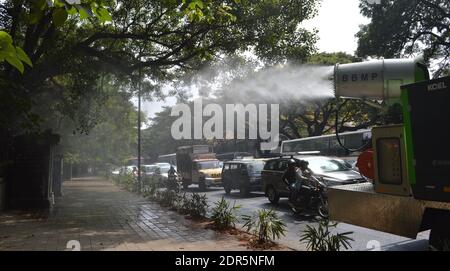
x: 411, y: 161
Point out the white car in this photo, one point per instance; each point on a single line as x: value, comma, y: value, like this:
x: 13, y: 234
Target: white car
x: 149, y: 169
x: 116, y: 171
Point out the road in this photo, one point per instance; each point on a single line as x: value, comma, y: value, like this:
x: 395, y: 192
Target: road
x: 296, y: 224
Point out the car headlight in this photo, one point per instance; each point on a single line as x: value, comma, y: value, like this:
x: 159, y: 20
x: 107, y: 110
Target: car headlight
x: 331, y: 182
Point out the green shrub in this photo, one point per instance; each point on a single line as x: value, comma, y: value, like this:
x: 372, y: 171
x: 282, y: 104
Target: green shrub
x: 322, y: 239
x: 127, y: 182
x: 168, y: 198
x: 150, y: 187
x: 159, y: 195
x: 223, y: 214
x: 180, y: 203
x: 196, y: 205
x: 265, y: 224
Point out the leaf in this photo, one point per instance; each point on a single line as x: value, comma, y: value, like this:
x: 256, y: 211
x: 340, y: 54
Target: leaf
x: 104, y: 14
x: 23, y: 56
x: 9, y: 50
x: 14, y: 61
x: 72, y: 11
x: 59, y: 16
x: 199, y: 3
x: 192, y: 5
x: 5, y: 38
x: 84, y: 14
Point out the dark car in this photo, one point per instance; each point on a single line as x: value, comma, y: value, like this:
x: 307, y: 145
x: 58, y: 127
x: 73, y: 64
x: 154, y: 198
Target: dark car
x: 229, y: 156
x: 334, y: 171
x: 244, y: 175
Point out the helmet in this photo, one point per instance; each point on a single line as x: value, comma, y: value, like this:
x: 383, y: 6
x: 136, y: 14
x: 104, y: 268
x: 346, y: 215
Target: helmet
x: 303, y: 164
x: 292, y: 162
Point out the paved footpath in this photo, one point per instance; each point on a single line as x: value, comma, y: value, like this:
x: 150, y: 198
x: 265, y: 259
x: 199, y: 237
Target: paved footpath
x: 101, y: 216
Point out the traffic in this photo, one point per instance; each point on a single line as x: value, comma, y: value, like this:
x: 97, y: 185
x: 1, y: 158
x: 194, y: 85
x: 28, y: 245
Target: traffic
x: 301, y: 179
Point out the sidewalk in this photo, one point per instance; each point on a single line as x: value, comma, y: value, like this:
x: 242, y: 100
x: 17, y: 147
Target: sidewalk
x: 103, y: 217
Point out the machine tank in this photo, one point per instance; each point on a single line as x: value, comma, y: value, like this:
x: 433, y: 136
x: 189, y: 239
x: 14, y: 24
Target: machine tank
x: 377, y: 79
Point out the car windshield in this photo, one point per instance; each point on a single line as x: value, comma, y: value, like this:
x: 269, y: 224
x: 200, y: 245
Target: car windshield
x: 255, y: 168
x: 323, y: 165
x: 150, y: 169
x: 208, y: 164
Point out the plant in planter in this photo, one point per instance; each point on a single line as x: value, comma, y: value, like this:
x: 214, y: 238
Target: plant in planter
x: 150, y: 188
x: 224, y: 214
x: 322, y: 239
x: 127, y: 182
x: 265, y: 224
x: 180, y: 203
x: 168, y: 198
x: 159, y: 195
x: 196, y: 205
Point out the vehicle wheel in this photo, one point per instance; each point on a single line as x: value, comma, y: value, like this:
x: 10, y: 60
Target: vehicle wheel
x: 244, y: 191
x: 202, y: 185
x: 272, y: 195
x: 227, y: 188
x: 322, y: 208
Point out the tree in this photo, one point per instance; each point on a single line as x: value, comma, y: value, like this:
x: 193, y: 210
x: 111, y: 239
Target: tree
x: 407, y: 27
x: 55, y: 11
x: 162, y: 40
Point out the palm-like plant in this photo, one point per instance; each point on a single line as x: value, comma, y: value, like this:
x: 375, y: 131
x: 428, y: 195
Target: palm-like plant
x: 265, y: 224
x: 223, y: 214
x: 196, y: 205
x: 322, y: 239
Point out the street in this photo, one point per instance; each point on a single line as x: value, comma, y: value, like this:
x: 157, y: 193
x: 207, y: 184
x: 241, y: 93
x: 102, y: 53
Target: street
x: 364, y: 239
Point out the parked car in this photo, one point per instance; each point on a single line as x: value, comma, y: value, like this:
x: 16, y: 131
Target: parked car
x: 115, y: 172
x: 333, y: 171
x: 149, y: 170
x: 163, y: 171
x: 162, y: 164
x: 244, y: 175
x: 127, y: 170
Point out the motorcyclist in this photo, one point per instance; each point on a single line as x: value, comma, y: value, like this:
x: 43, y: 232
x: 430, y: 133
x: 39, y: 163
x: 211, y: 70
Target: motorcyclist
x: 172, y: 172
x: 172, y: 178
x: 289, y: 175
x: 302, y: 186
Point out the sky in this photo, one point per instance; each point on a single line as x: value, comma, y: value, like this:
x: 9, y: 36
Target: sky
x: 337, y: 21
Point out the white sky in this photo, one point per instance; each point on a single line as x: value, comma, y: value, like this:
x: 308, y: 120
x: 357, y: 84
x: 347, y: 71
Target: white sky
x: 337, y: 21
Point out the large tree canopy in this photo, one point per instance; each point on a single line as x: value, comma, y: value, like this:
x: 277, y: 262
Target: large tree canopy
x: 407, y: 27
x: 163, y: 39
x: 77, y: 50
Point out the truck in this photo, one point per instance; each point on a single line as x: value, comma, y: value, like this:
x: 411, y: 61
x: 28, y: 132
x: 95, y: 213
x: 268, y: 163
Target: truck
x: 197, y: 164
x: 409, y: 162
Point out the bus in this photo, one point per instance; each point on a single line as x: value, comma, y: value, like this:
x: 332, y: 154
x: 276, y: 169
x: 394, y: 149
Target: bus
x: 327, y: 145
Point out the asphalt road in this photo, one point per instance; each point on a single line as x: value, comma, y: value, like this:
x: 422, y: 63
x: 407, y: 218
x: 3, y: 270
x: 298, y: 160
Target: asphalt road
x: 364, y: 239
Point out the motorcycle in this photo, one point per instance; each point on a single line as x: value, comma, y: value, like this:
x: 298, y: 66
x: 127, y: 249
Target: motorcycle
x: 172, y: 183
x: 309, y: 199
